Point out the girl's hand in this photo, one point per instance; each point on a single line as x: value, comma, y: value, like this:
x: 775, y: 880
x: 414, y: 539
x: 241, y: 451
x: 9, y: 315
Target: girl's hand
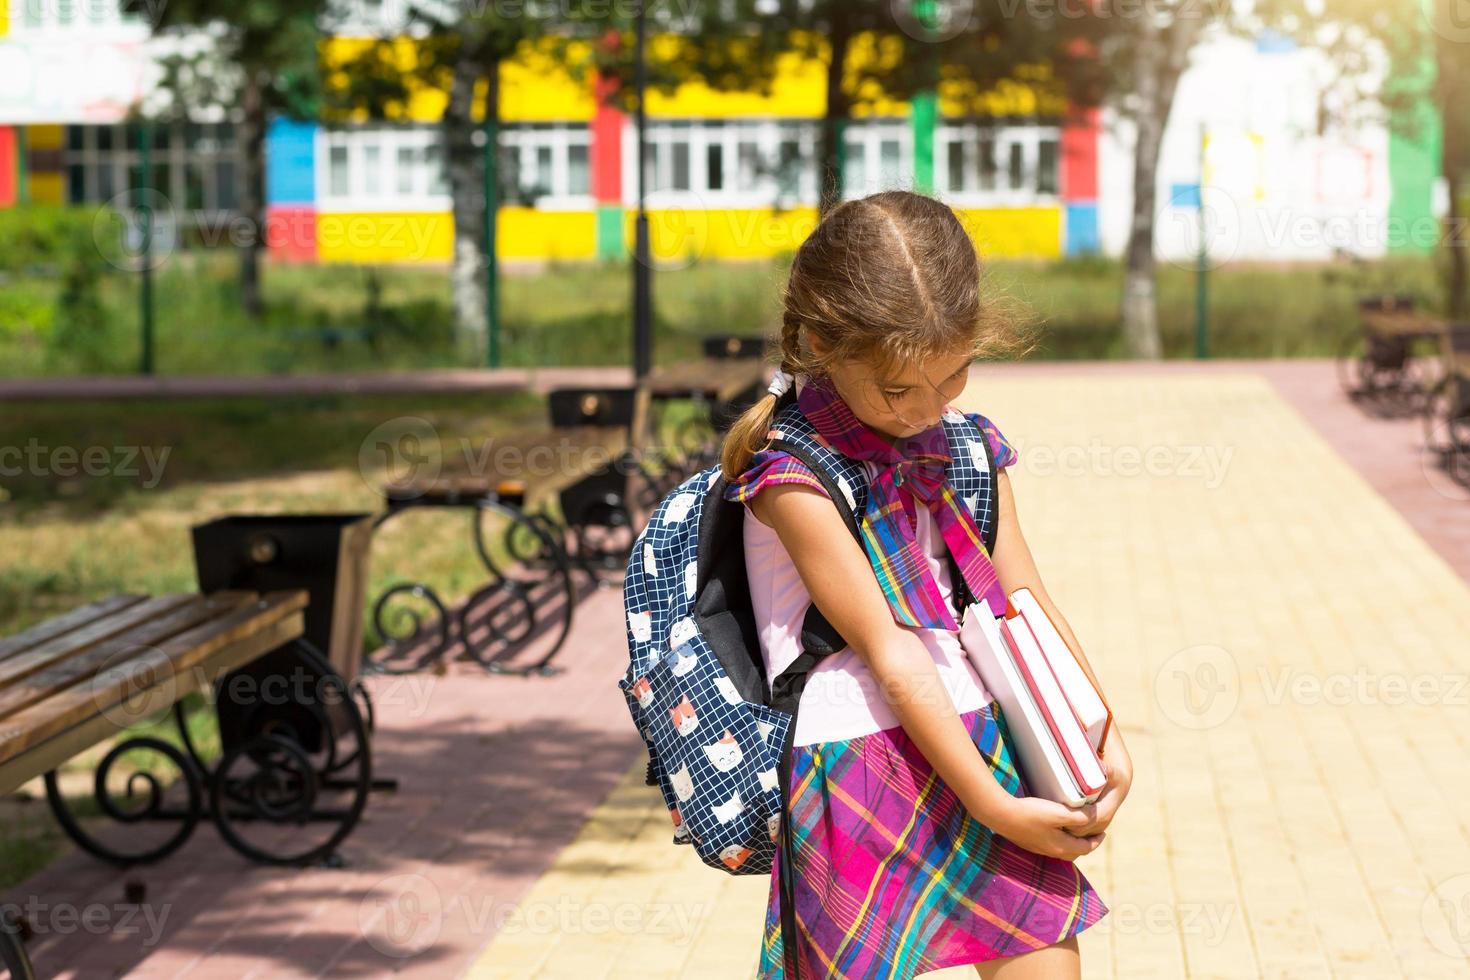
x: 1115, y: 791
x: 1046, y: 827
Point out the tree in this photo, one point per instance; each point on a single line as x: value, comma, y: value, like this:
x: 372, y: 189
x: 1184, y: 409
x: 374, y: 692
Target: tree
x: 263, y: 59
x: 457, y: 49
x: 1132, y: 57
x: 871, y: 50
x: 1418, y: 54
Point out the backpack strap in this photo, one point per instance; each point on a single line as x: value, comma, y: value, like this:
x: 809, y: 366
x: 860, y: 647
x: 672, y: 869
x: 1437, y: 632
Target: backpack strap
x: 959, y: 432
x: 819, y: 639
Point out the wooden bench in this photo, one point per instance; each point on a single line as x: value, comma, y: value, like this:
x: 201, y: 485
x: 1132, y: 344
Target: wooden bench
x: 1446, y: 415
x: 587, y: 443
x: 1379, y: 362
x: 78, y: 680
x: 13, y: 956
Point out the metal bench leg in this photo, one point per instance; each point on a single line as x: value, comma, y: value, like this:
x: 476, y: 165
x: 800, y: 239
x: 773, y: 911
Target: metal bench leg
x: 271, y: 777
x: 142, y: 799
x: 12, y: 949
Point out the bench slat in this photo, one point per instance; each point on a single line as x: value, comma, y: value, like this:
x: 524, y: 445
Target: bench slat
x: 77, y: 641
x: 720, y: 380
x: 584, y: 448
x: 178, y: 664
x: 65, y: 623
x: 114, y: 655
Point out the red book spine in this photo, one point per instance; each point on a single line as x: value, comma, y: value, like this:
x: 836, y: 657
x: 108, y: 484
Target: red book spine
x: 1051, y: 722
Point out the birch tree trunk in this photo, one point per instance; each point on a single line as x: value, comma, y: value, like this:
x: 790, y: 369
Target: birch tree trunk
x: 1159, y: 58
x: 465, y: 176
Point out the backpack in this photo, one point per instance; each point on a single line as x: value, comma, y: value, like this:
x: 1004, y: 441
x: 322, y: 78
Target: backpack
x: 718, y: 737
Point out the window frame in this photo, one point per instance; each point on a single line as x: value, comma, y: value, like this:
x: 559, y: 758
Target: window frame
x: 1027, y: 134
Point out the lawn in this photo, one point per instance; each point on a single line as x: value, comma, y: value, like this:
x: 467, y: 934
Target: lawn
x: 577, y: 313
x: 69, y: 536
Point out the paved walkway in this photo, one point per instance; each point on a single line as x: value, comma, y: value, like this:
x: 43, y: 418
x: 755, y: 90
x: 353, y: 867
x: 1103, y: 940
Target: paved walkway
x: 1282, y: 645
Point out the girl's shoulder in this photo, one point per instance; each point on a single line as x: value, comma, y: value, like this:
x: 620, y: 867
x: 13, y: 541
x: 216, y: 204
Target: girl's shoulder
x: 770, y: 467
x: 1001, y: 449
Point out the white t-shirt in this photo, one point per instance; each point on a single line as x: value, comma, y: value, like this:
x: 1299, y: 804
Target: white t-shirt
x: 842, y: 699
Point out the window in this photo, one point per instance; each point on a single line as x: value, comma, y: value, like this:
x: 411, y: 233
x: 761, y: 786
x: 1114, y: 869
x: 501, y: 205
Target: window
x: 546, y: 165
x: 854, y: 169
x: 372, y: 168
x: 579, y: 169
x: 985, y: 150
x: 404, y: 170
x: 192, y: 164
x: 726, y: 163
x: 879, y: 156
x: 984, y: 161
x: 398, y: 167
x: 750, y: 164
x: 337, y: 172
x: 1046, y: 167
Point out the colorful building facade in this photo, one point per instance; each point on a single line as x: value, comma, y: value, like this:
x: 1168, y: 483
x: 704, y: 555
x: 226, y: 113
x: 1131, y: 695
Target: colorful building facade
x: 731, y: 175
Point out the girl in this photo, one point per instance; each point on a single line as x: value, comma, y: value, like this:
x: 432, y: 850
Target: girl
x: 914, y: 851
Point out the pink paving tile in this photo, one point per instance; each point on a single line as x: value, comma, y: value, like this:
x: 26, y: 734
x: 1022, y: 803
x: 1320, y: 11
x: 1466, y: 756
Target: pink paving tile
x: 497, y: 774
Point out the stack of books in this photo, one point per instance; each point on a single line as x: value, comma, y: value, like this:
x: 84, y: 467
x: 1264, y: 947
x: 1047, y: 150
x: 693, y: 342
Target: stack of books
x: 1056, y: 717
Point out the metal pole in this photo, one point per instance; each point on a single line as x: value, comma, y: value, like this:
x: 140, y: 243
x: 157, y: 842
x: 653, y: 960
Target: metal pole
x: 924, y: 106
x: 145, y: 244
x: 492, y: 208
x: 1202, y: 281
x: 642, y: 262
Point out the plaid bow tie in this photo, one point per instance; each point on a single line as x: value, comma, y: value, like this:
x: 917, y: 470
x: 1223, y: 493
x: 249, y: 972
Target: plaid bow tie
x: 917, y: 466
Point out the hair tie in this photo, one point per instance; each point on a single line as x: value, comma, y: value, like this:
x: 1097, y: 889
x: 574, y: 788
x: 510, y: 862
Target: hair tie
x: 781, y: 383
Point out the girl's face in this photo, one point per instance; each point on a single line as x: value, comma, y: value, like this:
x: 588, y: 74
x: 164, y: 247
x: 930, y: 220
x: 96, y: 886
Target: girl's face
x: 906, y: 403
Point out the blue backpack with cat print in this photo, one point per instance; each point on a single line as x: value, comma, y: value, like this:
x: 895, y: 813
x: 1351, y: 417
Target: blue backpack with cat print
x: 718, y: 736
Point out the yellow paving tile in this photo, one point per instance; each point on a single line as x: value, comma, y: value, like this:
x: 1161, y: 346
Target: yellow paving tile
x: 1285, y: 656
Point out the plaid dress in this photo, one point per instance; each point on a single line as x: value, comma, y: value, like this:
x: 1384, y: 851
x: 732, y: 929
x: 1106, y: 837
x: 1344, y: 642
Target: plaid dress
x: 893, y: 876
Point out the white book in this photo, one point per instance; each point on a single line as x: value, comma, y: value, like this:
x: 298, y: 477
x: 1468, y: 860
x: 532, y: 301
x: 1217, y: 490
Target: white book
x: 1039, y: 751
x: 1078, y: 688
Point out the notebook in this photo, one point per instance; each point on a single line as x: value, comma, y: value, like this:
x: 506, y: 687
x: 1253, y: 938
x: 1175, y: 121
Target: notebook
x: 1052, y: 721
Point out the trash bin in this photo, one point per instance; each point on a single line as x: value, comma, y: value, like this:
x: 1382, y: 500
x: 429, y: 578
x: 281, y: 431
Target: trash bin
x: 325, y: 554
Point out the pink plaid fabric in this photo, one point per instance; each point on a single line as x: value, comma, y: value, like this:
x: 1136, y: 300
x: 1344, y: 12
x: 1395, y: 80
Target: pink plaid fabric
x: 910, y: 472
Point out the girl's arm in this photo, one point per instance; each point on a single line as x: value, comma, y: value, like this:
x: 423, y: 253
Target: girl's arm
x: 835, y: 570
x: 1017, y: 570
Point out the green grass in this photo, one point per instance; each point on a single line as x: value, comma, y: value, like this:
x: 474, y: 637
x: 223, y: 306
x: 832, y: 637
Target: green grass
x: 70, y: 539
x: 578, y: 313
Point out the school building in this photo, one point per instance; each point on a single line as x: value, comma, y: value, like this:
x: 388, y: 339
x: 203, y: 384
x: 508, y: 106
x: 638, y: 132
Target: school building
x: 733, y: 175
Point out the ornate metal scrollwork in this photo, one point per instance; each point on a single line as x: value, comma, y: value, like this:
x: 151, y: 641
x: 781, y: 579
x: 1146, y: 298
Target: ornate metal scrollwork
x: 424, y: 640
x: 278, y: 776
x: 303, y: 758
x: 146, y: 792
x: 516, y: 606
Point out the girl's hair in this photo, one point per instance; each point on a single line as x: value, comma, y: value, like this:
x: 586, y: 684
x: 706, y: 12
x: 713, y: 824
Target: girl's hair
x: 886, y: 280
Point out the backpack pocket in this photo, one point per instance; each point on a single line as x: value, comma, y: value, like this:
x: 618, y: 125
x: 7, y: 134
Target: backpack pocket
x: 715, y: 754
